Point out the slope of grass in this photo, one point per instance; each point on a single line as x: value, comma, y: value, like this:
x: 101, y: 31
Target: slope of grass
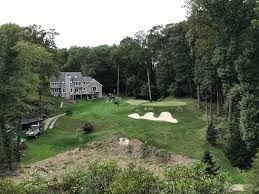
x: 186, y: 138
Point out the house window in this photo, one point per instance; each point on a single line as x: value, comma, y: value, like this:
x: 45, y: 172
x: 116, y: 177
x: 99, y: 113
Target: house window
x: 76, y: 90
x: 63, y: 90
x: 94, y: 88
x: 84, y: 83
x: 56, y: 90
x: 71, y: 90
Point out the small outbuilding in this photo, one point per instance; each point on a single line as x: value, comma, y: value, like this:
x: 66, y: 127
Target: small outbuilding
x: 32, y: 126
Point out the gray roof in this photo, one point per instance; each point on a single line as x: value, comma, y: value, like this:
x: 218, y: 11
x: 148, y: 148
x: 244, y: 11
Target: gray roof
x: 25, y: 121
x: 75, y: 76
x: 72, y: 74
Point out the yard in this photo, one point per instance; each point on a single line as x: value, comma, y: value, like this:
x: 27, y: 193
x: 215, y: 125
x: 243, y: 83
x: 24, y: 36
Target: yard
x: 186, y: 137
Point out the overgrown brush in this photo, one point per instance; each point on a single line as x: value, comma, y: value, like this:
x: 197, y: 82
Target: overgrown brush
x: 107, y: 178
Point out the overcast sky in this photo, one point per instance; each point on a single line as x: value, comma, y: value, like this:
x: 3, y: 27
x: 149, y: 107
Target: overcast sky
x: 92, y: 22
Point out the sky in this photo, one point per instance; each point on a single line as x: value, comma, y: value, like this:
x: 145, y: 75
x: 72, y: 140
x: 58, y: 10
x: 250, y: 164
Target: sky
x: 92, y: 22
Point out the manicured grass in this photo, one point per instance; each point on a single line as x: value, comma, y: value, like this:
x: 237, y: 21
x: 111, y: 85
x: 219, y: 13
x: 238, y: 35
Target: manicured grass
x: 136, y: 102
x: 186, y: 138
x: 167, y: 103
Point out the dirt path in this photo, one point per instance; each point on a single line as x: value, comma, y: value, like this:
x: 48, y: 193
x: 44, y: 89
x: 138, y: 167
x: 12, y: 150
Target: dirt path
x: 106, y: 149
x: 49, y: 123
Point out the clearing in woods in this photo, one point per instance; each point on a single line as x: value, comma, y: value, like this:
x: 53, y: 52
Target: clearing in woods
x: 187, y: 137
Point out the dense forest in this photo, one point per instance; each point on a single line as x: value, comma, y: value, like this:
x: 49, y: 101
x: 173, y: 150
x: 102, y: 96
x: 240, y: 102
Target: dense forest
x: 212, y: 56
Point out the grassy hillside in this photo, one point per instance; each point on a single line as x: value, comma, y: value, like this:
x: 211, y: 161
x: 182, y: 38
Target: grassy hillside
x: 186, y: 138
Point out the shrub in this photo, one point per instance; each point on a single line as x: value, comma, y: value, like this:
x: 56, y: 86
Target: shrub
x: 95, y: 178
x: 134, y: 180
x: 211, y: 165
x: 146, y: 150
x: 73, y: 180
x: 38, y: 183
x: 193, y: 179
x: 88, y: 127
x: 99, y: 176
x: 106, y: 177
x: 163, y: 155
x: 69, y: 113
x: 7, y: 187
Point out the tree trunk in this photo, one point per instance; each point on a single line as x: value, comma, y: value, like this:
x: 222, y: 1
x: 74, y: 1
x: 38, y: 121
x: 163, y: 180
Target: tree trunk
x: 18, y: 140
x: 229, y: 109
x: 118, y: 81
x: 218, y: 103
x: 149, y: 87
x: 211, y: 115
x: 190, y: 86
x: 126, y: 86
x: 206, y: 110
x: 198, y: 95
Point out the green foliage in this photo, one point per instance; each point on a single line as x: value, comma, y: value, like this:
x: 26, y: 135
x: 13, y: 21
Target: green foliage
x: 192, y: 179
x: 249, y: 122
x: 25, y: 66
x: 107, y: 177
x: 134, y: 180
x: 38, y: 183
x: 237, y: 153
x: 8, y: 187
x: 96, y: 178
x: 211, y: 165
x: 211, y: 134
x: 253, y: 173
x: 88, y: 127
x: 7, y: 149
x: 146, y: 150
x: 69, y: 113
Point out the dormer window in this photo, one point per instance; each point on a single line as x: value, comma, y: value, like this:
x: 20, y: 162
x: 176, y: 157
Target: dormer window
x: 94, y: 88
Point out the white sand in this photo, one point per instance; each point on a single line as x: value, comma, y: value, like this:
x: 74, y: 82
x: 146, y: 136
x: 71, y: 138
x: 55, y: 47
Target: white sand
x: 124, y: 141
x: 164, y: 116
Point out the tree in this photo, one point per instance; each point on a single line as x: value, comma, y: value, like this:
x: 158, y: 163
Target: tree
x: 16, y: 81
x: 145, y: 58
x: 211, y: 165
x: 249, y: 125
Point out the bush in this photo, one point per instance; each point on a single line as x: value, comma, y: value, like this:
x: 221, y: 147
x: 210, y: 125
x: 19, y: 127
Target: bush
x: 106, y: 177
x: 134, y: 180
x: 88, y: 127
x: 38, y: 183
x: 211, y: 165
x: 193, y: 179
x: 7, y: 187
x: 95, y: 178
x: 146, y: 150
x: 69, y: 113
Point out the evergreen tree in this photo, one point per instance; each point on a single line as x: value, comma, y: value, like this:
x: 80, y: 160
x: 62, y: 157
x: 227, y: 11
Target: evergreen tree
x: 208, y: 159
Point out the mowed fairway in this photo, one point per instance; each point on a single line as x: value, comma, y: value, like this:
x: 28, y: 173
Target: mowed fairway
x: 186, y: 137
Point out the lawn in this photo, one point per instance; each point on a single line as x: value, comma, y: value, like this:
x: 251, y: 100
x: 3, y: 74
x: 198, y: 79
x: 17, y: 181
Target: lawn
x: 186, y: 138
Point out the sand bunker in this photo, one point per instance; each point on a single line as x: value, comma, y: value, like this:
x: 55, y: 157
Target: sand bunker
x: 164, y: 116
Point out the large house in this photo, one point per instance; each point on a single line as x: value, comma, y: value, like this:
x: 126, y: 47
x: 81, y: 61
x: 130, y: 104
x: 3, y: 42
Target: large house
x: 72, y: 85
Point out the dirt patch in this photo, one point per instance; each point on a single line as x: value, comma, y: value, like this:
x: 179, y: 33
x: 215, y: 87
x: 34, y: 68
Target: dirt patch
x: 106, y: 149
